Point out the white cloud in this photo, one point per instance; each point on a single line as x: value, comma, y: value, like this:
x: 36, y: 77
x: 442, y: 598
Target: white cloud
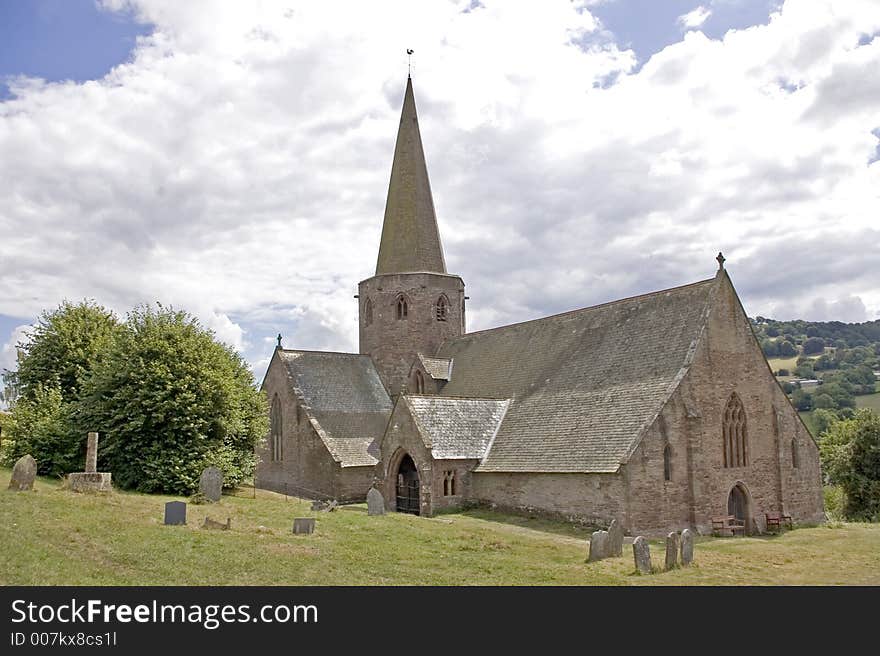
x: 9, y: 352
x: 237, y: 167
x: 694, y: 18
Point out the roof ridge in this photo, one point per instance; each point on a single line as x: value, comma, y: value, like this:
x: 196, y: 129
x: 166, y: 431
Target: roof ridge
x: 458, y: 398
x: 583, y: 309
x: 359, y: 355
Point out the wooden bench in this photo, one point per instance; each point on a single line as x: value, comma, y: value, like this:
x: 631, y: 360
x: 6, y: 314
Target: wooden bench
x: 728, y: 526
x: 776, y: 519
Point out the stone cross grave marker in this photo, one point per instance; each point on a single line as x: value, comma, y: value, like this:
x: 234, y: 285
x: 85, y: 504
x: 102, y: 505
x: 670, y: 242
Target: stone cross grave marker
x: 304, y: 525
x: 615, y: 539
x: 175, y: 513
x: 598, y: 546
x: 672, y: 550
x: 375, y: 502
x: 211, y: 484
x: 642, y: 555
x: 23, y: 474
x: 687, y: 547
x: 91, y: 480
x: 92, y: 454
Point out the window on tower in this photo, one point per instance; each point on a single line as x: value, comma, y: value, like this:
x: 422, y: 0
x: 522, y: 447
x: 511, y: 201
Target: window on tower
x: 368, y: 312
x: 442, y: 308
x: 402, y: 309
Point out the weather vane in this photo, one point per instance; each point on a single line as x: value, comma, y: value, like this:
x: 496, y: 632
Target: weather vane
x: 409, y: 54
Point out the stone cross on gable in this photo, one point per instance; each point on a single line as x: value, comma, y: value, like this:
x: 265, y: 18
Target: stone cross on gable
x: 721, y: 259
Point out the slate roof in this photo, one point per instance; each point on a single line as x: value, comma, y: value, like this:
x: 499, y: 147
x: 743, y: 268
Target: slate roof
x: 456, y: 428
x: 583, y: 384
x: 344, y: 399
x: 437, y: 368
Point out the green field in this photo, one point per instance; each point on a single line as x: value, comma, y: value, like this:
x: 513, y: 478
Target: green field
x: 52, y: 536
x: 871, y: 401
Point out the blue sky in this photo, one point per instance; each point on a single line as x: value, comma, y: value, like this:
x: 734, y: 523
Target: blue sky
x: 191, y: 168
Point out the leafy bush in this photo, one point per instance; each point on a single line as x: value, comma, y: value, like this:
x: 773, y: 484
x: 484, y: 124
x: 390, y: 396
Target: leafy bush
x: 835, y: 502
x: 850, y: 453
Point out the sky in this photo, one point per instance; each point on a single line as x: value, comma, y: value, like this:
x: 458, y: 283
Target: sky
x: 232, y: 159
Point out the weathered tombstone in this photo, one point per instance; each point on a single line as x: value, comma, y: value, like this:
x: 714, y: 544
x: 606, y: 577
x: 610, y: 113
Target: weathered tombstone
x: 211, y: 484
x: 671, y: 550
x: 23, y: 474
x: 375, y: 502
x: 220, y: 526
x: 304, y: 525
x: 598, y: 546
x: 615, y: 539
x: 687, y: 547
x: 90, y: 480
x: 642, y: 555
x: 175, y: 513
x: 324, y: 505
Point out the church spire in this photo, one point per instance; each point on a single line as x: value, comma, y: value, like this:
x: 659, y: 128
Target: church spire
x: 410, y: 238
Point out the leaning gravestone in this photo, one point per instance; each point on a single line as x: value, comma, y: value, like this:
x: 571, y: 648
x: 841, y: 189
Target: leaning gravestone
x: 598, y: 546
x: 375, y: 502
x: 304, y: 525
x: 615, y: 539
x: 23, y: 474
x: 671, y: 550
x: 211, y: 484
x: 220, y: 526
x: 91, y: 480
x: 687, y: 547
x: 642, y: 555
x: 175, y: 513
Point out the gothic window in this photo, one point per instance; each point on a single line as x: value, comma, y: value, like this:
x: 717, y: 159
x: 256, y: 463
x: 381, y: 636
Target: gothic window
x: 794, y: 454
x: 667, y: 463
x: 402, y: 309
x: 420, y: 382
x: 368, y: 312
x: 736, y: 449
x: 449, y: 483
x: 442, y: 308
x: 276, y: 427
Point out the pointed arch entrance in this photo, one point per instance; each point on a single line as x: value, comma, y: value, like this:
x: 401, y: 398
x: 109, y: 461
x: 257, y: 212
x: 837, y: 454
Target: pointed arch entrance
x: 407, y: 486
x: 739, y: 505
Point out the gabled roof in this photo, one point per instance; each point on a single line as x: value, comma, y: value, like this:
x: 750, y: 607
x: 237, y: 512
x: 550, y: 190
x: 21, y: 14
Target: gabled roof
x: 437, y: 368
x: 456, y: 428
x: 344, y: 399
x: 584, y: 384
x: 410, y: 238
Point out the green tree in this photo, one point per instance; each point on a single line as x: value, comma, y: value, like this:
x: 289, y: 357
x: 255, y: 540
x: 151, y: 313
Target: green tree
x: 814, y: 345
x: 823, y: 419
x: 805, y: 370
x: 824, y: 401
x: 169, y: 400
x: 801, y: 400
x: 787, y: 349
x: 850, y: 453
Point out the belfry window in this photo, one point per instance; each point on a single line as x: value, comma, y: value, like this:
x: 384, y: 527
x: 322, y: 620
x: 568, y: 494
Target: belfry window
x: 449, y: 483
x: 402, y: 309
x: 276, y: 429
x: 735, y: 436
x: 667, y: 463
x: 442, y: 308
x: 795, y: 460
x: 368, y: 312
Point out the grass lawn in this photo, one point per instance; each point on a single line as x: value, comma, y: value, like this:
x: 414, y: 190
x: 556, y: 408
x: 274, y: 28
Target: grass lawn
x: 871, y: 401
x: 783, y: 363
x: 52, y: 536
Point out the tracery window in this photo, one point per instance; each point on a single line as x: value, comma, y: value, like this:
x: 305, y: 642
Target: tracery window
x: 276, y: 429
x: 442, y: 308
x: 449, y: 483
x: 402, y: 309
x: 735, y: 435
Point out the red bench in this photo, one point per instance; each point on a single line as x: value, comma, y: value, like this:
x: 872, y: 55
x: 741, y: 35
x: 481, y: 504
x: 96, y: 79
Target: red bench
x: 776, y: 519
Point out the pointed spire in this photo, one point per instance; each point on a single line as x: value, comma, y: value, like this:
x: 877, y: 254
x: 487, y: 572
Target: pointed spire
x: 410, y: 238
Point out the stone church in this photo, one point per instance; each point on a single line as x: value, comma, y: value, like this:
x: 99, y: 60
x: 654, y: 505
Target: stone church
x: 659, y: 410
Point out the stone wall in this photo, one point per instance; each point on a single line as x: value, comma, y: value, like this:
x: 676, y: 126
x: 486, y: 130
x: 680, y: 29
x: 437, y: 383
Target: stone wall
x: 392, y: 342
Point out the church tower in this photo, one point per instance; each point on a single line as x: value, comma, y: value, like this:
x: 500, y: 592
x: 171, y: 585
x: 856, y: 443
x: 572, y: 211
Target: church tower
x: 412, y: 304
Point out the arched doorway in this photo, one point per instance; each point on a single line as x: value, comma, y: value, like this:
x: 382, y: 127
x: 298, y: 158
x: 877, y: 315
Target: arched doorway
x: 407, y: 486
x: 738, y: 505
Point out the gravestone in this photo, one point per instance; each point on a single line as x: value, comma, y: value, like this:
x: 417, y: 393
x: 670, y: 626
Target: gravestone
x: 687, y: 547
x: 220, y: 526
x: 375, y: 502
x: 175, y: 513
x: 642, y: 555
x: 615, y: 539
x: 304, y: 525
x: 90, y: 480
x: 671, y: 550
x: 598, y: 546
x: 23, y: 474
x: 211, y: 484
x: 324, y: 506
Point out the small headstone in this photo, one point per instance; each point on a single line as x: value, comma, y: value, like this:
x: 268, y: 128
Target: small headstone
x: 303, y: 525
x: 687, y: 547
x: 175, y: 513
x: 615, y: 539
x: 211, y: 484
x: 23, y: 474
x: 375, y: 502
x: 598, y: 546
x: 671, y: 550
x: 92, y: 454
x: 642, y: 555
x: 220, y: 526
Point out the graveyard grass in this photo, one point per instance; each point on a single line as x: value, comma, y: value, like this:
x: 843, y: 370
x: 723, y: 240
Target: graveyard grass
x: 52, y: 536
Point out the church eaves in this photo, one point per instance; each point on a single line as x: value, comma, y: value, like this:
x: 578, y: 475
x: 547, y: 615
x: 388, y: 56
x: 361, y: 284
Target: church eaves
x: 410, y: 238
